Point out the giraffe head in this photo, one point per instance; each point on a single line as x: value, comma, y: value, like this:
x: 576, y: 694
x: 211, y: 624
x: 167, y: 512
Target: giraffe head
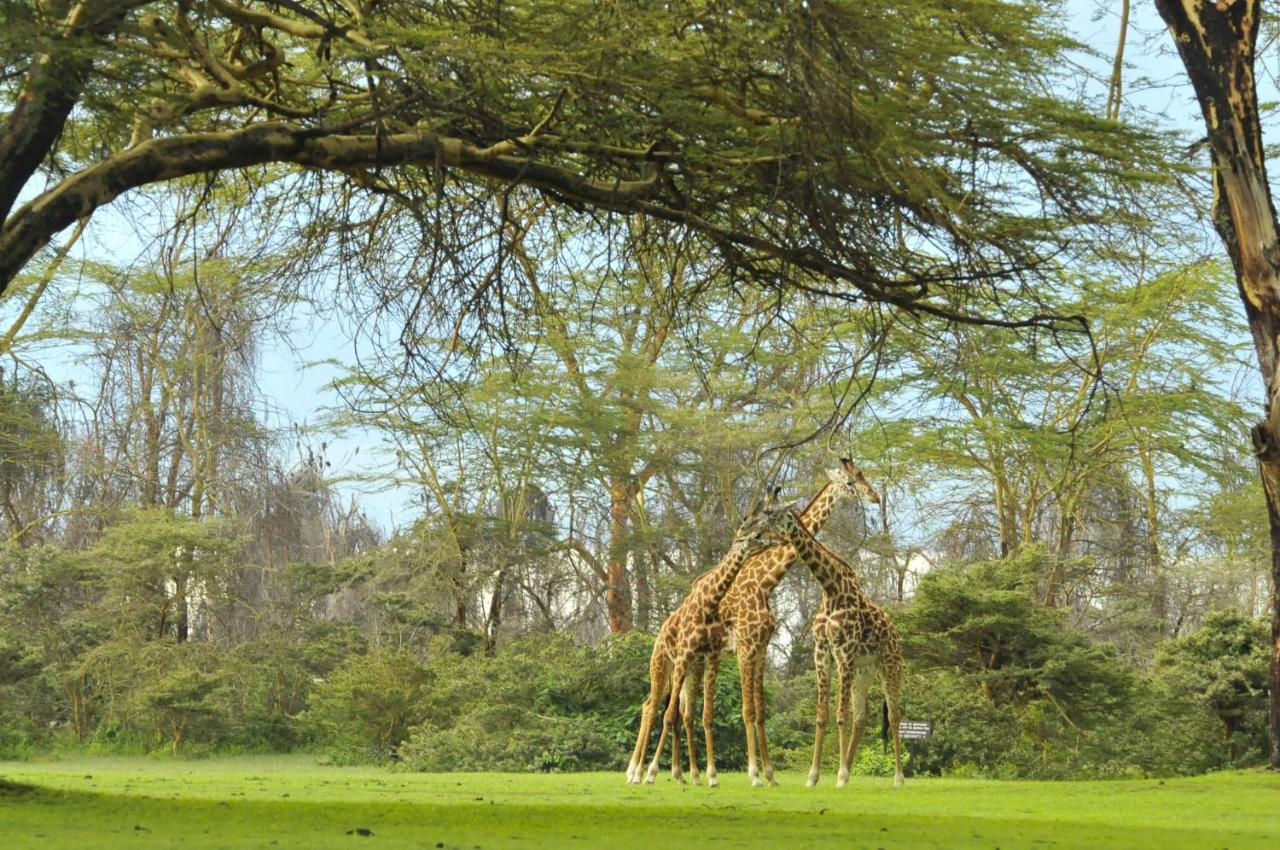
x: 851, y: 483
x: 789, y: 525
x: 759, y: 519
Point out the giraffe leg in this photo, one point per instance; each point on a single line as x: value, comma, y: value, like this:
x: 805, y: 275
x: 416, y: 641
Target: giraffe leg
x: 636, y: 766
x: 861, y: 684
x: 891, y: 673
x: 669, y: 716
x: 844, y: 684
x: 820, y: 721
x: 746, y: 656
x: 677, y: 773
x: 688, y: 709
x: 657, y: 691
x: 708, y: 716
x: 757, y: 696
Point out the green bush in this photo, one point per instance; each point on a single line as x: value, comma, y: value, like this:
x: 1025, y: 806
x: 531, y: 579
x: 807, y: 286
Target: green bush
x: 368, y: 704
x: 545, y: 704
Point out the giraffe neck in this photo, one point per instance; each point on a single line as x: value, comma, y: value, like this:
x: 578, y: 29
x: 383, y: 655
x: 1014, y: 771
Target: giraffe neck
x: 721, y: 578
x: 814, y: 516
x: 833, y: 576
x: 818, y: 511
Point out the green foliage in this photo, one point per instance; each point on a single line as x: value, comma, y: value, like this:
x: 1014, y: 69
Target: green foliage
x: 176, y: 698
x: 1223, y: 668
x: 982, y: 620
x: 540, y: 704
x: 149, y: 560
x: 365, y: 708
x: 46, y: 631
x: 1011, y: 689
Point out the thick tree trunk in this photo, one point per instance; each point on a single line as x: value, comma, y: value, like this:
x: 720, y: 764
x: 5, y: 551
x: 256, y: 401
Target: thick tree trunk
x: 1216, y: 41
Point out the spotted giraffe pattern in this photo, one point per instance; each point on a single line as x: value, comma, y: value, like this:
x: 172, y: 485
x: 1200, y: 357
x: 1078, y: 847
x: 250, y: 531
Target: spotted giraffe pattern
x: 747, y: 613
x: 858, y: 635
x: 685, y: 637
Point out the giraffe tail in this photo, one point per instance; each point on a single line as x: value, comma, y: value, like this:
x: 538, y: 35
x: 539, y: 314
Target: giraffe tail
x: 884, y: 725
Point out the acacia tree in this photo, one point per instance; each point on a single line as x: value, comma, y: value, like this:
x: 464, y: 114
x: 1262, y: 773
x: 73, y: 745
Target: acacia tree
x: 634, y: 393
x: 1050, y: 440
x: 870, y: 152
x: 31, y: 453
x: 1217, y: 44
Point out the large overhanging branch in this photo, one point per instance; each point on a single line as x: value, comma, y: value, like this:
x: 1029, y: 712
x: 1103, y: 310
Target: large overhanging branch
x: 32, y: 226
x: 54, y: 84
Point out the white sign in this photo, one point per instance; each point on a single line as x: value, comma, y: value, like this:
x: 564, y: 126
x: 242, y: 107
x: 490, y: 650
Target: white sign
x: 915, y: 730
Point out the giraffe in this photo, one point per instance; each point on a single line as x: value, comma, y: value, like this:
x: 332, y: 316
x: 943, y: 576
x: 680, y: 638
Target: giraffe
x: 859, y: 636
x: 685, y: 636
x: 746, y: 612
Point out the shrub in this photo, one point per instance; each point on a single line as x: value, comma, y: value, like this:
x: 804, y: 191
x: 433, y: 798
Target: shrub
x: 368, y: 704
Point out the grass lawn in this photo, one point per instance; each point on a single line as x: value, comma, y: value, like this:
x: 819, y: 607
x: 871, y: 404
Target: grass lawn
x: 275, y: 802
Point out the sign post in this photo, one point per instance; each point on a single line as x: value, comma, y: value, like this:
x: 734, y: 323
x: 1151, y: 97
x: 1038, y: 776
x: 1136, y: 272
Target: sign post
x: 912, y: 731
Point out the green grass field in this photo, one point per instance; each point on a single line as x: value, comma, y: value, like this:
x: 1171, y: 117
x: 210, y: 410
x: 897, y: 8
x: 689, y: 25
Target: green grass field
x: 275, y: 802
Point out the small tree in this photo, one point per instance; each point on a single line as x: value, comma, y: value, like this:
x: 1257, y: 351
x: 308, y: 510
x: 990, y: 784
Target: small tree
x: 176, y: 693
x: 367, y: 705
x: 983, y: 620
x: 1223, y: 666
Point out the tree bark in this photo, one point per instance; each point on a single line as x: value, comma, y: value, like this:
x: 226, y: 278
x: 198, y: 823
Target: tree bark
x: 493, y: 621
x: 617, y: 593
x: 1216, y: 41
x: 51, y: 90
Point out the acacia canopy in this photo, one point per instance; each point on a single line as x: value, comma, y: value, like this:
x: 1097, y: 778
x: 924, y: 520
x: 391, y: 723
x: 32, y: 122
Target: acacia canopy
x: 911, y: 154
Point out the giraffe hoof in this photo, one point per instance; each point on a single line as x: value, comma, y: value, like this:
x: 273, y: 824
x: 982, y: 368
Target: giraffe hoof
x: 713, y: 782
x: 897, y: 782
x: 773, y: 783
x: 757, y: 782
x: 813, y: 779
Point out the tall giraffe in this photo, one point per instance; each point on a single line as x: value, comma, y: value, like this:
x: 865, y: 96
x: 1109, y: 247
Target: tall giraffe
x: 746, y: 612
x: 687, y: 634
x: 859, y: 636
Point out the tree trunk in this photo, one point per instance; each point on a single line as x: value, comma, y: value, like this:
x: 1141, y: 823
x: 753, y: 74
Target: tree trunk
x: 182, y: 622
x: 1216, y: 42
x: 494, y: 619
x: 617, y: 592
x: 644, y: 592
x: 1159, y: 583
x: 462, y: 600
